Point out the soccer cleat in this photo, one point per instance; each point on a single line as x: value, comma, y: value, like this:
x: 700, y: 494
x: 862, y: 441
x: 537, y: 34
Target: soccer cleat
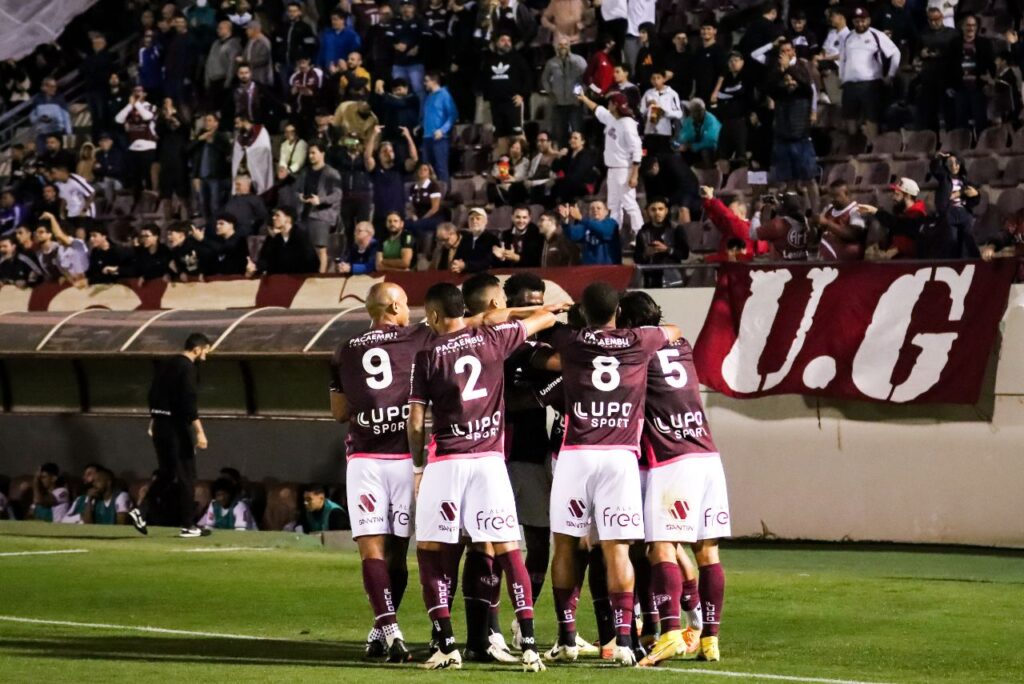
x: 608, y: 650
x: 532, y: 661
x: 668, y: 646
x: 624, y: 656
x: 691, y: 637
x: 585, y: 647
x: 517, y: 635
x: 647, y: 641
x: 192, y: 532
x: 398, y: 653
x: 709, y: 650
x: 499, y: 650
x: 138, y: 521
x: 443, y: 661
x: 562, y: 654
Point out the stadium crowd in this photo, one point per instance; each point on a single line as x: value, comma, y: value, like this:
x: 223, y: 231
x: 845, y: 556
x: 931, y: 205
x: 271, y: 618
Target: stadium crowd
x: 309, y: 137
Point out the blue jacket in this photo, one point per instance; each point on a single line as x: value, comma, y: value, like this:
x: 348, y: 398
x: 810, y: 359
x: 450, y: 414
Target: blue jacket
x: 439, y: 113
x: 708, y: 138
x: 363, y: 262
x: 598, y: 240
x: 151, y: 68
x: 335, y: 45
x: 50, y: 115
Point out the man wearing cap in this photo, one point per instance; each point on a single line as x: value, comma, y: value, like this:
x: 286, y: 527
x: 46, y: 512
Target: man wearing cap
x: 258, y: 54
x: 867, y: 57
x: 622, y: 154
x: 475, y: 252
x: 903, y: 223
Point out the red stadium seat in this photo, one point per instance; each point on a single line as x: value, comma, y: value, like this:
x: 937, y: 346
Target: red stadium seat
x: 956, y: 141
x: 885, y: 146
x: 844, y: 172
x: 875, y: 174
x: 282, y: 505
x: 1013, y: 174
x: 994, y: 139
x: 918, y: 144
x: 983, y: 170
x: 1010, y: 201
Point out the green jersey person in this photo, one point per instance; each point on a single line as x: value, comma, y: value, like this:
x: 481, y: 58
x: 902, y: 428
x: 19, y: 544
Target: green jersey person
x: 320, y: 514
x: 398, y: 251
x: 50, y: 498
x: 226, y: 511
x: 102, y: 504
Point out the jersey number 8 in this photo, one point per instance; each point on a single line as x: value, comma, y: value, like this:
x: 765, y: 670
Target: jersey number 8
x: 606, y: 373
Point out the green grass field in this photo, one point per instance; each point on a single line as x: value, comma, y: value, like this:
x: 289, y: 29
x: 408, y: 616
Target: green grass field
x: 812, y: 613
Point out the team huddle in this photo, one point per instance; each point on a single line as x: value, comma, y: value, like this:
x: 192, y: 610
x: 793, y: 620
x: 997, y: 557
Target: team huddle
x: 622, y: 479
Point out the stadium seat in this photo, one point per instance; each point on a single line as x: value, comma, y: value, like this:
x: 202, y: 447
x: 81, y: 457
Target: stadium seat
x: 993, y: 139
x: 884, y: 146
x: 282, y: 505
x: 983, y: 170
x: 957, y: 140
x: 738, y: 180
x: 694, y: 231
x: 918, y: 144
x: 1013, y: 174
x: 203, y: 496
x: 500, y: 219
x: 875, y: 174
x: 463, y: 190
x: 1010, y: 201
x: 709, y: 177
x: 845, y: 172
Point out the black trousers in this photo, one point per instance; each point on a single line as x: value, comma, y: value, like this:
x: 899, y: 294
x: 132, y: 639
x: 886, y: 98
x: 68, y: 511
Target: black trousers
x: 171, y: 497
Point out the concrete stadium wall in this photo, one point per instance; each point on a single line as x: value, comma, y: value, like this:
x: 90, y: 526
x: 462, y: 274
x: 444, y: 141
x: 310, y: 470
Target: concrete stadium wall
x: 798, y: 468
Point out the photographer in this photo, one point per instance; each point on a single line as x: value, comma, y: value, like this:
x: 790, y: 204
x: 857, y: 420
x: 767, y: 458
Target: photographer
x: 783, y: 223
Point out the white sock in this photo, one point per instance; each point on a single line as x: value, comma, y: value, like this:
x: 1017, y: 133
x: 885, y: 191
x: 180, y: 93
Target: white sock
x: 695, y: 619
x: 376, y: 634
x: 392, y: 632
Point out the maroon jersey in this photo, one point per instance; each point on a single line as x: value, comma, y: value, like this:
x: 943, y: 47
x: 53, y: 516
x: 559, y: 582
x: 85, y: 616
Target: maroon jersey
x: 675, y: 424
x: 373, y: 371
x: 605, y: 379
x: 462, y: 375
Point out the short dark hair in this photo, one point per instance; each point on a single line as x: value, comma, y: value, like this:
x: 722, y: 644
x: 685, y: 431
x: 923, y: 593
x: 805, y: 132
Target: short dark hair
x: 196, y: 340
x: 231, y: 473
x: 473, y: 291
x: 223, y: 484
x: 50, y: 469
x: 318, y: 143
x: 227, y: 217
x: 521, y: 207
x: 314, y: 489
x: 9, y: 238
x: 623, y: 66
x: 523, y: 282
x: 600, y: 302
x: 399, y: 82
x: 658, y: 199
x: 288, y: 211
x: 448, y: 298
x: 637, y: 308
x: 182, y: 227
x: 736, y: 243
x: 148, y: 227
x: 837, y: 183
x: 433, y: 75
x: 574, y: 317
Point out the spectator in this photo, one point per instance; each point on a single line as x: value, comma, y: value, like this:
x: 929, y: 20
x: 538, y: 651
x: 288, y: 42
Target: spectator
x: 210, y: 153
x: 613, y: 19
x: 649, y: 55
x: 202, y: 24
x: 17, y: 269
x: 387, y: 178
x: 436, y: 17
x: 361, y: 257
x: 679, y: 65
x: 540, y: 175
x: 305, y: 86
x: 226, y: 510
x: 96, y: 69
x: 439, y: 117
x: 397, y: 110
x: 784, y: 225
x: 86, y: 161
x: 292, y: 155
x: 408, y: 58
x: 733, y: 103
x: 6, y: 510
x: 446, y: 243
x: 252, y: 155
x: 104, y: 503
x: 251, y: 99
x: 399, y: 249
x: 661, y: 111
x: 319, y: 188
x: 320, y: 514
x: 842, y: 227
x: 189, y: 257
x: 53, y: 153
x: 576, y: 171
x: 566, y: 20
x: 793, y: 160
x: 61, y: 258
x: 337, y: 41
x: 12, y: 213
x: 730, y: 218
x: 356, y: 119
x: 939, y: 53
x: 287, y: 248
x: 293, y: 40
x: 172, y: 129
x: 50, y: 496
x: 152, y: 259
x: 947, y: 8
x: 25, y: 241
x: 867, y: 60
x: 115, y: 97
x: 597, y: 235
x: 475, y: 251
x: 1007, y: 93
x: 356, y: 188
x: 894, y: 20
x: 639, y: 13
x: 622, y: 84
x: 562, y: 74
x: 52, y: 203
x: 517, y: 20
x: 558, y: 250
x: 221, y: 63
x: 521, y: 245
x: 227, y: 251
x: 762, y: 31
x: 659, y: 242
x: 180, y: 61
x: 1009, y: 242
x: 836, y: 36
x: 903, y: 224
x: 138, y: 118
x: 78, y: 195
x: 600, y: 73
x: 425, y: 201
x: 347, y: 79
x: 247, y: 209
x: 49, y: 113
x: 698, y: 136
x: 108, y: 261
x: 258, y: 54
x: 151, y: 64
x: 804, y: 40
x: 506, y: 87
x: 977, y: 67
x: 709, y: 61
x: 507, y: 181
x: 954, y: 200
x: 622, y: 154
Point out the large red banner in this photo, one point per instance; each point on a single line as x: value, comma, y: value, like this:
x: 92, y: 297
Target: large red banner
x: 297, y: 292
x: 886, y: 332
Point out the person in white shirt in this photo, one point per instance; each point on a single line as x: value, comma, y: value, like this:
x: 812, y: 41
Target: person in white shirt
x: 867, y: 58
x: 623, y: 152
x: 76, y: 192
x: 227, y: 511
x: 661, y: 109
x: 834, y: 39
x: 637, y: 12
x: 948, y: 9
x: 138, y: 117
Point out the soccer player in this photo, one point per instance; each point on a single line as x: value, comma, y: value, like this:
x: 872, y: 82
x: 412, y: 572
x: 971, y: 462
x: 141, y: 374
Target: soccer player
x: 465, y: 484
x: 686, y: 498
x: 370, y: 379
x: 597, y: 481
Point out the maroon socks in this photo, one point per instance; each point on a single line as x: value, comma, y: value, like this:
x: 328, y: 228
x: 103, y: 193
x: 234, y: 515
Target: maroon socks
x: 520, y: 593
x: 712, y: 595
x: 478, y: 589
x: 622, y: 616
x: 667, y: 588
x: 435, y: 597
x: 565, y: 613
x: 377, y: 583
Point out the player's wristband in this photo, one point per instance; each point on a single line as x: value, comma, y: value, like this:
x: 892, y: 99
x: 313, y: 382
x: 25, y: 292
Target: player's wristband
x: 418, y: 470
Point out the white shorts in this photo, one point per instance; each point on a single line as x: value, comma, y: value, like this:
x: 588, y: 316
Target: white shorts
x: 379, y: 493
x: 599, y: 487
x: 687, y: 501
x: 531, y: 486
x: 466, y: 493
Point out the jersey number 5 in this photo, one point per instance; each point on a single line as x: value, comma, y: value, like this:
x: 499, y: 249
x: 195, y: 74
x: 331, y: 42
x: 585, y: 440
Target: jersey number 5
x: 674, y: 372
x: 471, y: 391
x: 377, y: 365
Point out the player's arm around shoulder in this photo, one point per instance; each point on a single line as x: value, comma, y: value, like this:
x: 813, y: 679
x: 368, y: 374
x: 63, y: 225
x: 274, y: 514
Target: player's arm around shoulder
x: 672, y: 332
x: 541, y: 319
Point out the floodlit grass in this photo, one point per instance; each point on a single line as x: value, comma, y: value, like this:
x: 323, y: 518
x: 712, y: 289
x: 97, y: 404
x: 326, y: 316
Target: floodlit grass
x: 828, y: 611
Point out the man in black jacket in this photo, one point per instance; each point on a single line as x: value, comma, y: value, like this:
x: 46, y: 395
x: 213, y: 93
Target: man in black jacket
x: 575, y: 171
x: 189, y: 256
x: 475, y: 252
x: 522, y: 244
x: 505, y: 82
x: 287, y: 248
x: 108, y: 262
x: 211, y: 165
x: 228, y: 251
x: 174, y: 418
x: 660, y: 242
x: 295, y: 38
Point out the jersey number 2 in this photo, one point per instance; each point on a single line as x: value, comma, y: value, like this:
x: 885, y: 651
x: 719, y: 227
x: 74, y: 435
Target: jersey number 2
x: 471, y: 391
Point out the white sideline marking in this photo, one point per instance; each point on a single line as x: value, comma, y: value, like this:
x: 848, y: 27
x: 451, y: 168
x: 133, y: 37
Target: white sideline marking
x: 224, y: 549
x: 753, y: 675
x: 141, y: 628
x: 42, y: 553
